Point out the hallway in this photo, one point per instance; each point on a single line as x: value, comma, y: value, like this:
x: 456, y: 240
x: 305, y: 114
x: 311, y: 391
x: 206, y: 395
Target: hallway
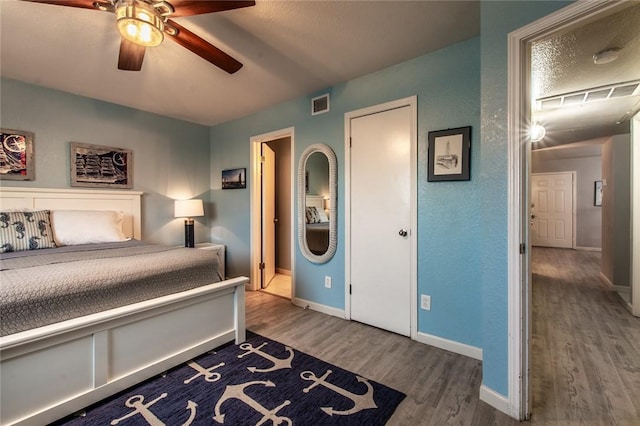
x: 585, y: 361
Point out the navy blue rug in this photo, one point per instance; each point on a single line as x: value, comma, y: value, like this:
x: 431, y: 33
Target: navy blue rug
x: 259, y: 382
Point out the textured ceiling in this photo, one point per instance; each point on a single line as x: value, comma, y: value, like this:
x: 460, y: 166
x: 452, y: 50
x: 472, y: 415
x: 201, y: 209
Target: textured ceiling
x: 563, y: 63
x: 288, y: 48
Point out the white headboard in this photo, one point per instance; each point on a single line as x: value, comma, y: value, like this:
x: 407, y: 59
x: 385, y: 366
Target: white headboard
x: 316, y: 201
x: 127, y: 202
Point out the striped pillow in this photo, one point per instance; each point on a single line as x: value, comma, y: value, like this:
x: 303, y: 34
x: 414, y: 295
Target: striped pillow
x: 312, y: 215
x: 25, y: 230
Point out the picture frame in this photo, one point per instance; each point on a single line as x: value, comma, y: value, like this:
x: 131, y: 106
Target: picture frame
x: 449, y: 155
x: 98, y: 166
x: 597, y: 193
x: 234, y: 178
x: 16, y: 155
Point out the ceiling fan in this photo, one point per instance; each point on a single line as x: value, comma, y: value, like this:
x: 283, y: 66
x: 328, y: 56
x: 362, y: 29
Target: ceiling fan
x: 145, y: 23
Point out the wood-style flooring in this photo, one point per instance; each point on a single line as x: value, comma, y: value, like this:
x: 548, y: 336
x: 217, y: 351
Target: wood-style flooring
x: 585, y: 361
x: 585, y: 353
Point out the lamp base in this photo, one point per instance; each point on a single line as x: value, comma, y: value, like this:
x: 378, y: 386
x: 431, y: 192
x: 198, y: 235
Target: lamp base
x: 189, y: 238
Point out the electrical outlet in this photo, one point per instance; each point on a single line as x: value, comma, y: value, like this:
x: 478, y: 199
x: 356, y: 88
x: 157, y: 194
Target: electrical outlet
x: 327, y: 281
x: 425, y: 302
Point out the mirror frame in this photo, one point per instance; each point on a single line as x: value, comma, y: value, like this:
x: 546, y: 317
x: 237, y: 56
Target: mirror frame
x: 333, y: 196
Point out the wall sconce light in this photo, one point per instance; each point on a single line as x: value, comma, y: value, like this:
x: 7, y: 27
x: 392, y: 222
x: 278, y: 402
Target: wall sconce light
x: 189, y: 209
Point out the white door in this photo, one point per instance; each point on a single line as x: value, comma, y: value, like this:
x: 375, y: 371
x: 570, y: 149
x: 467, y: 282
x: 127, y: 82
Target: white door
x: 552, y: 210
x: 268, y: 215
x: 380, y: 199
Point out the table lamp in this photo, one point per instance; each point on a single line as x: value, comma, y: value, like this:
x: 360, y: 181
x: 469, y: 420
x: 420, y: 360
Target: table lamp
x: 189, y: 209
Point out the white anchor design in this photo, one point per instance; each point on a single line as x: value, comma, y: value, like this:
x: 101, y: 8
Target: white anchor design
x: 360, y: 402
x: 137, y: 402
x: 237, y: 392
x: 278, y: 364
x: 208, y: 373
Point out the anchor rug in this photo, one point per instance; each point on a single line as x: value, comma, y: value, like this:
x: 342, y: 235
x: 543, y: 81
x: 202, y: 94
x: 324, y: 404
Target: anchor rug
x: 259, y: 382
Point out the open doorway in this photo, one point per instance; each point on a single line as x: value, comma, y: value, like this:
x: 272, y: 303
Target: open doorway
x: 523, y: 103
x: 272, y: 183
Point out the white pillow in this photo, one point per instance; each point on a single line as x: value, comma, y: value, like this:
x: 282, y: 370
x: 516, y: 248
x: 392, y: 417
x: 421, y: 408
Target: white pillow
x: 72, y: 227
x: 323, y: 216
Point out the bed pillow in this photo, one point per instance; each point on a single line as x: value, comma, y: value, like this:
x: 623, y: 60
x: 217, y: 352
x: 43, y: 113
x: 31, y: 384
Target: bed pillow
x: 25, y: 230
x: 73, y: 227
x: 312, y: 215
x: 322, y: 215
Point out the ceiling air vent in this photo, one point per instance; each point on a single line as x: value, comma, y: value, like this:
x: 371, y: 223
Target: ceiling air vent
x: 618, y: 90
x: 320, y: 104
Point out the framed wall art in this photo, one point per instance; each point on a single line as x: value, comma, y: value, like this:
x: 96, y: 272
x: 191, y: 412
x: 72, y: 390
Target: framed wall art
x: 16, y: 155
x: 234, y: 178
x: 99, y: 166
x: 449, y: 154
x: 597, y: 193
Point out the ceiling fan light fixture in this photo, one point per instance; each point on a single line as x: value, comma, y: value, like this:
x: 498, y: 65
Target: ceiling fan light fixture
x: 139, y: 23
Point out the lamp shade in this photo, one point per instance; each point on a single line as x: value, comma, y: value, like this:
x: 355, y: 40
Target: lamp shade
x: 189, y: 208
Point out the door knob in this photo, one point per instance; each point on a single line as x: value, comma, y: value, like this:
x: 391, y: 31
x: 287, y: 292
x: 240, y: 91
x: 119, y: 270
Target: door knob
x: 275, y: 220
x: 403, y: 233
x: 533, y: 216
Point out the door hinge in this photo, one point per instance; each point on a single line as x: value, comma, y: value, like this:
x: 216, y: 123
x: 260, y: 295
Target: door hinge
x: 261, y: 266
x: 349, y: 288
x: 350, y: 142
x: 262, y: 159
x: 522, y: 248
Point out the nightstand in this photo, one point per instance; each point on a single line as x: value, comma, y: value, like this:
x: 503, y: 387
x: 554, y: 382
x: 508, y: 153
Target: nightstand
x: 219, y: 250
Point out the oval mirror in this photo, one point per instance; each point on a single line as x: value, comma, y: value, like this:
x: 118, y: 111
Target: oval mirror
x: 317, y: 194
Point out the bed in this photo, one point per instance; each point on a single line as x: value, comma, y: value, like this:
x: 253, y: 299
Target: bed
x: 317, y: 225
x: 58, y: 365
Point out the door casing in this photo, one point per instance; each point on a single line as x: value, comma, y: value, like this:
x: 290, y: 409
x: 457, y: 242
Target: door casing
x: 255, y: 193
x: 412, y: 102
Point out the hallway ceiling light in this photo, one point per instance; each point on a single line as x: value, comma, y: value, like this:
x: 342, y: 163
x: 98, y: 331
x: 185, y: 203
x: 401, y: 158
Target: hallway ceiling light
x: 606, y: 56
x: 537, y: 132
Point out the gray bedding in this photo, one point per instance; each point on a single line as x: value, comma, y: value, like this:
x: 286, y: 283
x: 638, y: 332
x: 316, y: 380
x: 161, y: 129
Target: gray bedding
x: 42, y: 287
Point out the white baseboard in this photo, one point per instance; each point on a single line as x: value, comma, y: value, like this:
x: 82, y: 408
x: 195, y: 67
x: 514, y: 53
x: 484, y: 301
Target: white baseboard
x: 283, y: 271
x: 606, y: 280
x: 450, y: 345
x: 319, y: 308
x: 495, y: 399
x: 588, y: 248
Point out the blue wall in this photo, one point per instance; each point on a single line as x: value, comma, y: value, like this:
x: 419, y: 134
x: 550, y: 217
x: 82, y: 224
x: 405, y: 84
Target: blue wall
x: 447, y: 83
x: 498, y: 19
x: 167, y: 153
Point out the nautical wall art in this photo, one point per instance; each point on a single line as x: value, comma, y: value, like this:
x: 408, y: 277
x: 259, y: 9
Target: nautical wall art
x: 16, y: 155
x: 101, y: 166
x: 450, y: 154
x: 234, y: 178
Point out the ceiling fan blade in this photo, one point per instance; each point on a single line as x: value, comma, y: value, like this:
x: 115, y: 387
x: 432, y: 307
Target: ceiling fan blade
x: 204, y: 49
x: 131, y: 56
x: 191, y: 7
x: 83, y: 4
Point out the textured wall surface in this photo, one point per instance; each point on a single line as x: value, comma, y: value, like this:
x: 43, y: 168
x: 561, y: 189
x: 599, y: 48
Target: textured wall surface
x: 167, y: 153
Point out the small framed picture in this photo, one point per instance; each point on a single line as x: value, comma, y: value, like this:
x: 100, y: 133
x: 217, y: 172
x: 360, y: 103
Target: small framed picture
x: 98, y: 166
x: 16, y: 155
x: 597, y: 193
x: 449, y: 154
x: 234, y: 178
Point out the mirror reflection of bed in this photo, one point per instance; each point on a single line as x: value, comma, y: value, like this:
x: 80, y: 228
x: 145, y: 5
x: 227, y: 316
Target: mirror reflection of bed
x: 317, y: 224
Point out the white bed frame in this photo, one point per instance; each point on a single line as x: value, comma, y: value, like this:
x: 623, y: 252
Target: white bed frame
x: 56, y: 370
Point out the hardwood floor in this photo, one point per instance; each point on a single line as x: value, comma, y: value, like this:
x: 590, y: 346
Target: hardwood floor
x: 585, y: 358
x: 442, y: 388
x: 586, y: 345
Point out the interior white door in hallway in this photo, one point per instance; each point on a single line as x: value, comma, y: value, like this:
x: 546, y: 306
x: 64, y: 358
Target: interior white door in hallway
x: 552, y: 209
x: 380, y: 219
x: 268, y: 215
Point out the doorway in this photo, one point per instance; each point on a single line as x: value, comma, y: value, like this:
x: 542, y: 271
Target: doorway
x: 381, y: 222
x: 519, y: 256
x: 272, y: 190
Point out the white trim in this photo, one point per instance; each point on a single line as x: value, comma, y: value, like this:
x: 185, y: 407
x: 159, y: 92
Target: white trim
x: 495, y: 399
x: 255, y: 213
x: 635, y: 215
x: 283, y: 271
x: 450, y: 345
x: 411, y: 102
x: 588, y: 248
x: 519, y: 280
x: 335, y: 312
x: 605, y: 279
